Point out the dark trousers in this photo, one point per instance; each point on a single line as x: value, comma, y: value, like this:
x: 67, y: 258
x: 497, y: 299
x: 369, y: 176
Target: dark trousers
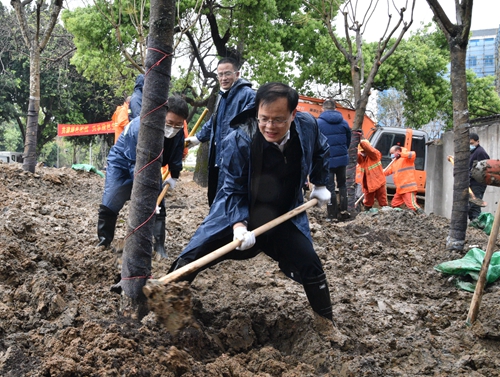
x: 213, y: 184
x: 288, y: 246
x: 474, y: 209
x: 337, y: 177
x: 285, y: 244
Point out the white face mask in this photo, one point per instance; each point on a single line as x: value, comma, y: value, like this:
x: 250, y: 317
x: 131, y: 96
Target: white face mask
x: 170, y: 132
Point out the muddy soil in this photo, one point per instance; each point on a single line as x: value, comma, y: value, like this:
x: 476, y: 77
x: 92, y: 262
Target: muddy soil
x: 398, y: 315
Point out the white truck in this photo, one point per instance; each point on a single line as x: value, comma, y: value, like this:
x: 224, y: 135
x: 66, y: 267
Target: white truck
x: 9, y: 157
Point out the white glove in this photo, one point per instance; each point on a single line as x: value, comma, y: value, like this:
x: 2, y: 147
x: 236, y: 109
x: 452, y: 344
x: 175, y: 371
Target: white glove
x: 171, y: 181
x: 247, y: 238
x: 322, y: 194
x: 192, y: 141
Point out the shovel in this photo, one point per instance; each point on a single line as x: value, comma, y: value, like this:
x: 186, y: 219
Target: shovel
x: 172, y: 304
x: 472, y: 197
x: 120, y: 245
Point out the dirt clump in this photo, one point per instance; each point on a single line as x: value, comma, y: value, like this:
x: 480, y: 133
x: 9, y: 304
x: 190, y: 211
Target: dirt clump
x: 398, y: 316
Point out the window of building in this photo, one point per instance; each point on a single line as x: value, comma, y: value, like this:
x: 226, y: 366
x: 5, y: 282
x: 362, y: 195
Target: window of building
x: 488, y: 60
x: 472, y: 61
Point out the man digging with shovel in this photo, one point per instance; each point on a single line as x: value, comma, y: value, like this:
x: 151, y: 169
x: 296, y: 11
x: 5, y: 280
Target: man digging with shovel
x: 265, y: 162
x: 121, y: 169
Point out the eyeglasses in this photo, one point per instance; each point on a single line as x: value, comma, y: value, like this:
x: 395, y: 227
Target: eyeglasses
x: 178, y: 125
x: 274, y: 122
x: 226, y: 74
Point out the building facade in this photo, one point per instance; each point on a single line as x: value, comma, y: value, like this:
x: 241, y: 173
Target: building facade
x: 482, y: 53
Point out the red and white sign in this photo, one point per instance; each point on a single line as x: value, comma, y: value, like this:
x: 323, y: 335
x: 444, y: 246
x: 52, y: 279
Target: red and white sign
x: 85, y: 129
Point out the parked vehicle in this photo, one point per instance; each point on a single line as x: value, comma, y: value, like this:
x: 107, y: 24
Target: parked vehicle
x: 9, y: 157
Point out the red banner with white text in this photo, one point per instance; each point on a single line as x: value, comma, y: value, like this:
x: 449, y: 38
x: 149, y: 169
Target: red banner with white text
x: 85, y: 129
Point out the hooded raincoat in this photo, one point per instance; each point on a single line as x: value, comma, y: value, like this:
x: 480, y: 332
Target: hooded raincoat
x: 121, y: 164
x: 136, y: 98
x: 372, y: 173
x: 232, y: 203
x: 337, y: 131
x: 240, y: 97
x: 404, y: 172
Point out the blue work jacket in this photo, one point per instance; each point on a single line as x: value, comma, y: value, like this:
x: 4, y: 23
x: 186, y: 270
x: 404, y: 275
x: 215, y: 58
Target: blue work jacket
x: 240, y: 97
x: 338, y: 133
x: 231, y: 205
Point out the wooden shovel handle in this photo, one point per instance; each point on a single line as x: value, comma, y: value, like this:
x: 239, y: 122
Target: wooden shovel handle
x: 198, y: 122
x: 197, y: 264
x: 481, y: 281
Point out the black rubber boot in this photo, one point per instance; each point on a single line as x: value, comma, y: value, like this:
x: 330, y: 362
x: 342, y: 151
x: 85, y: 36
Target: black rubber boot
x: 159, y: 237
x: 318, y: 294
x: 106, y: 224
x: 332, y: 209
x: 343, y: 203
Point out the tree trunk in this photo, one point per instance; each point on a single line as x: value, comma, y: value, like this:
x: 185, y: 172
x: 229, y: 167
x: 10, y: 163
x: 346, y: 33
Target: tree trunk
x: 458, y: 223
x: 136, y: 267
x: 29, y: 156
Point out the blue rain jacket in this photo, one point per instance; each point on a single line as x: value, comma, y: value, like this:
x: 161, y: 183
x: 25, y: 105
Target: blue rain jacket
x: 231, y: 205
x: 337, y: 131
x: 240, y: 97
x: 121, y: 164
x: 136, y: 98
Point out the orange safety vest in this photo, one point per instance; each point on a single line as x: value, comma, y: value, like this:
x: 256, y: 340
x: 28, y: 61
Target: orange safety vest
x: 359, y: 175
x: 372, y: 173
x: 404, y: 172
x: 120, y: 119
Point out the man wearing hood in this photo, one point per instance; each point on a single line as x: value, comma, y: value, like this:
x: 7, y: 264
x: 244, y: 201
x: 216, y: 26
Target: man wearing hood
x: 121, y: 169
x: 235, y: 95
x: 265, y: 163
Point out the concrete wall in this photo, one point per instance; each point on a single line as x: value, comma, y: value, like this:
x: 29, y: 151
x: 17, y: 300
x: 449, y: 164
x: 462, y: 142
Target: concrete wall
x: 439, y: 185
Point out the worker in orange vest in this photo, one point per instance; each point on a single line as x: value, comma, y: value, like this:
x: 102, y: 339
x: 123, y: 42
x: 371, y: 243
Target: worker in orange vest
x: 403, y: 168
x: 372, y: 175
x: 120, y: 118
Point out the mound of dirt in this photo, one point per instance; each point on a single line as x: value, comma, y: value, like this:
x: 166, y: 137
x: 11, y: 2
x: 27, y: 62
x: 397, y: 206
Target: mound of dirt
x: 398, y: 316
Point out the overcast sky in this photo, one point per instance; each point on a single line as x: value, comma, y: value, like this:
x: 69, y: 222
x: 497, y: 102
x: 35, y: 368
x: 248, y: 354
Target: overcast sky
x: 484, y: 15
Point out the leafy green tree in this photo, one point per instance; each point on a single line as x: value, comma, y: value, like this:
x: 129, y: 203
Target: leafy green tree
x: 110, y: 39
x: 68, y: 96
x: 36, y: 24
x: 482, y: 96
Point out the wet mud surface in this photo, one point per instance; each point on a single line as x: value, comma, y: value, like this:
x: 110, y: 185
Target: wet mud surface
x: 398, y: 316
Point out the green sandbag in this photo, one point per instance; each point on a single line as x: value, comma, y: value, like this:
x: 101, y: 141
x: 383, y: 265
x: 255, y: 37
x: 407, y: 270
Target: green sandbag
x: 470, y: 265
x: 484, y: 221
x: 88, y: 168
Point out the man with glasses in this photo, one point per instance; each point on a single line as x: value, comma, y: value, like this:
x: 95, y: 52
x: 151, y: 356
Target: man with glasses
x: 235, y: 95
x: 120, y: 172
x: 265, y: 164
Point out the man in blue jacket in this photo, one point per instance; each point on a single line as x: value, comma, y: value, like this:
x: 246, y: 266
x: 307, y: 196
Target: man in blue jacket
x: 265, y: 163
x: 235, y: 95
x: 337, y: 131
x: 120, y: 172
